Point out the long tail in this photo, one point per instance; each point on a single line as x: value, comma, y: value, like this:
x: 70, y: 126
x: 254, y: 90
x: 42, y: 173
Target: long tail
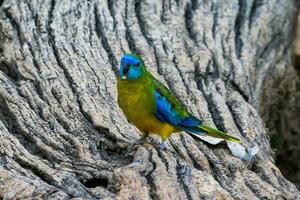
x: 206, y: 130
x: 218, y: 134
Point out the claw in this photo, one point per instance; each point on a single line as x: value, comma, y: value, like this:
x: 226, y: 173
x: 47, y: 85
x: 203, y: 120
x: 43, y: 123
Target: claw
x: 162, y: 145
x: 131, y: 146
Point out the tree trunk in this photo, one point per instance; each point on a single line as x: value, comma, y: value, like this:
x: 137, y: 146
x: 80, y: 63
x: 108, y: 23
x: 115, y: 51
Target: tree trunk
x: 284, y: 121
x: 63, y: 135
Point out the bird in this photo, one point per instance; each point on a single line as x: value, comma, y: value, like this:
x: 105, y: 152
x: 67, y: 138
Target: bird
x: 152, y: 107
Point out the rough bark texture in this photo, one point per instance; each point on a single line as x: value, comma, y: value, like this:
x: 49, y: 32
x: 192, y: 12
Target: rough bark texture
x: 284, y: 122
x: 62, y: 134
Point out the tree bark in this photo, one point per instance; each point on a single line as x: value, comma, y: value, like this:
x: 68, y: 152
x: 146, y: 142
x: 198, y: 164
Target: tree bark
x: 63, y: 135
x: 283, y: 122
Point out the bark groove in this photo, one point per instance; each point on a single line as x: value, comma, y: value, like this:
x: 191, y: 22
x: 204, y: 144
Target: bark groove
x: 62, y: 134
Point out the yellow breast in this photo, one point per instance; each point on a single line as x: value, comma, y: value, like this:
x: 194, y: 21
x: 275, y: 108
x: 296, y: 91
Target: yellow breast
x: 138, y: 104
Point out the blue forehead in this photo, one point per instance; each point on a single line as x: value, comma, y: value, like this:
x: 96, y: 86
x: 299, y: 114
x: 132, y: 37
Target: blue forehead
x: 129, y: 59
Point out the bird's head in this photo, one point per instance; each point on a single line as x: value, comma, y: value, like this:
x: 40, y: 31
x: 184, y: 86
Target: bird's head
x: 132, y: 67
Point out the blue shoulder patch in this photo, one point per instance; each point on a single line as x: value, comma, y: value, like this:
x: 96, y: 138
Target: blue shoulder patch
x: 165, y: 113
x: 163, y: 109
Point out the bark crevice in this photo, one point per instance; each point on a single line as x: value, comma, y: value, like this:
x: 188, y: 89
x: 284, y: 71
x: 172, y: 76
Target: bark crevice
x: 63, y: 135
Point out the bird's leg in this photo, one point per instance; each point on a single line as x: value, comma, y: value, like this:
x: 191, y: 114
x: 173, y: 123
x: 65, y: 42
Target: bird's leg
x: 138, y: 142
x: 162, y: 145
x: 141, y: 140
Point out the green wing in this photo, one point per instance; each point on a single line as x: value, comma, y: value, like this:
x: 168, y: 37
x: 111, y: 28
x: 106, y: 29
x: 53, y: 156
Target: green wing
x: 176, y: 106
x: 170, y: 110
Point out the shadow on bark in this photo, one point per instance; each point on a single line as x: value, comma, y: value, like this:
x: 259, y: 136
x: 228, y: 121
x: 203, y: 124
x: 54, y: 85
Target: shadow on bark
x: 62, y: 134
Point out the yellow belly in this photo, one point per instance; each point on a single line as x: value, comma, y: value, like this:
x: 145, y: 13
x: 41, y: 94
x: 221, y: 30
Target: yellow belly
x: 137, y: 103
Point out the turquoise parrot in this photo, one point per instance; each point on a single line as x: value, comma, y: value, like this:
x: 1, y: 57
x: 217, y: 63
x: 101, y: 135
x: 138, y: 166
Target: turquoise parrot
x: 152, y: 108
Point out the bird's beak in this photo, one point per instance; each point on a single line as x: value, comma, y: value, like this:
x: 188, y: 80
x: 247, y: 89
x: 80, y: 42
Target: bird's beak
x: 126, y: 68
x: 123, y: 70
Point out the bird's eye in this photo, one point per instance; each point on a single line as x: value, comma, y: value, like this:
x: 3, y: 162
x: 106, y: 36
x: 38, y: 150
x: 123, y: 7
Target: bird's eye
x: 137, y: 65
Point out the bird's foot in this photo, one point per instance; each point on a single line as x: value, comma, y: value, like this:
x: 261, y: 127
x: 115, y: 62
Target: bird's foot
x: 131, y: 146
x: 162, y: 145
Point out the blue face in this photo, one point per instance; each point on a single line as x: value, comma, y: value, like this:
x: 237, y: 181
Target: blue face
x: 130, y: 68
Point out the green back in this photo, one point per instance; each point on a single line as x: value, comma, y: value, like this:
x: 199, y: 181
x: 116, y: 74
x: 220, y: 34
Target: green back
x: 176, y: 106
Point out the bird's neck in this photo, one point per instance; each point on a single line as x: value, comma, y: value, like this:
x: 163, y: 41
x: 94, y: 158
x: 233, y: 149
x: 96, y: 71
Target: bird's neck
x: 134, y: 85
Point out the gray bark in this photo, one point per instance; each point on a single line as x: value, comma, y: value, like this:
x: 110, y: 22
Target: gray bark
x: 281, y: 113
x: 63, y: 135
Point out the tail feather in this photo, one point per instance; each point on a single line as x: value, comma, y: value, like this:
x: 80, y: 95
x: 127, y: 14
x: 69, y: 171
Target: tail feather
x: 206, y: 130
x: 218, y: 134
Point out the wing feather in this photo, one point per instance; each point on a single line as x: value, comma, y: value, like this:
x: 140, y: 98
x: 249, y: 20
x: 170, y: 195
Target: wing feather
x: 169, y: 109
